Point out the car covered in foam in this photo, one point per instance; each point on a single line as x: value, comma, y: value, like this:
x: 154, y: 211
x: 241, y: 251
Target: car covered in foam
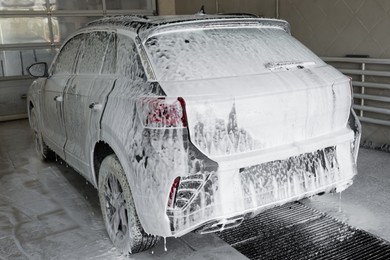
x: 193, y: 122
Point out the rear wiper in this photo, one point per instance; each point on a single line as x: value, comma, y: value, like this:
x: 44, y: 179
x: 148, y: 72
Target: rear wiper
x: 288, y: 65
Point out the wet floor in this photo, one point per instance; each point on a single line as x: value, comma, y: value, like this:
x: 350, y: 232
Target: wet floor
x: 366, y: 204
x: 296, y: 232
x: 48, y: 211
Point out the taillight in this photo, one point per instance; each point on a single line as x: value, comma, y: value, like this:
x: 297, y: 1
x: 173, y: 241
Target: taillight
x: 162, y: 112
x: 173, y: 193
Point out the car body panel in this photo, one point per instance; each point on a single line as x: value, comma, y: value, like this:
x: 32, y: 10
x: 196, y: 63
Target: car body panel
x: 53, y: 125
x: 285, y: 129
x: 263, y: 111
x: 84, y: 101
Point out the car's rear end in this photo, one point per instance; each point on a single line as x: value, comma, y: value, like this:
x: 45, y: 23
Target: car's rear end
x: 266, y: 122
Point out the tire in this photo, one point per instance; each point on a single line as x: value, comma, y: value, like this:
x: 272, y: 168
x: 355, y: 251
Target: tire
x: 42, y: 149
x: 118, y: 209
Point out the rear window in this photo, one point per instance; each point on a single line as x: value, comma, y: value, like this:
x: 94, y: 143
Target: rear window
x: 222, y: 52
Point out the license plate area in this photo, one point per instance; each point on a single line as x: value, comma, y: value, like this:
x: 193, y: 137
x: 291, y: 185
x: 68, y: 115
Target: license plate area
x: 293, y: 177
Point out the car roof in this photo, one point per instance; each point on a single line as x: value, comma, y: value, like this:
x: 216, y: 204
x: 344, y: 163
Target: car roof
x: 144, y: 26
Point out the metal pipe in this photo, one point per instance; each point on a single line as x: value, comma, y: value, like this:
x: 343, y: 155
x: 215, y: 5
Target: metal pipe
x: 373, y: 109
x: 35, y: 55
x: 374, y: 121
x: 21, y: 62
x: 372, y: 97
x: 371, y: 85
x: 356, y: 60
x: 2, y: 68
x: 28, y: 46
x: 51, y: 32
x: 104, y: 7
x: 366, y: 72
x: 362, y: 88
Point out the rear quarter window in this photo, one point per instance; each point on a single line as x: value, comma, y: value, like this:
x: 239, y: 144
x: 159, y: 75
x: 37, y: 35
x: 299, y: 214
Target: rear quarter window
x: 128, y: 61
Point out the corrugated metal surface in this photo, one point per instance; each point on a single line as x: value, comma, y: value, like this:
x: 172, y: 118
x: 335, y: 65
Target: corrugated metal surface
x: 294, y: 231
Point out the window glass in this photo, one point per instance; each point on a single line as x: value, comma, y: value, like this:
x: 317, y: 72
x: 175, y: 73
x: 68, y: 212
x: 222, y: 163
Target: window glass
x: 109, y: 63
x: 95, y: 46
x: 129, y: 63
x: 22, y: 5
x: 224, y: 52
x: 128, y: 5
x: 24, y: 30
x: 68, y: 56
x: 14, y: 63
x: 76, y: 5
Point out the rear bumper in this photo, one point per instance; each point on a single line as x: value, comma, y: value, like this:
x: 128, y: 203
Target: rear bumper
x: 253, y: 182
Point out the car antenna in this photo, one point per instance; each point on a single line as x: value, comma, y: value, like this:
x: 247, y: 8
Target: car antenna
x: 201, y: 11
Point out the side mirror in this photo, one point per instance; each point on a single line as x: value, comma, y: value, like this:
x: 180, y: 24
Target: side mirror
x: 38, y: 70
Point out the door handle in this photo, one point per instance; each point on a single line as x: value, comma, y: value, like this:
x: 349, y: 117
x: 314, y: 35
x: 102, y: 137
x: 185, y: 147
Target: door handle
x: 58, y: 98
x: 95, y: 106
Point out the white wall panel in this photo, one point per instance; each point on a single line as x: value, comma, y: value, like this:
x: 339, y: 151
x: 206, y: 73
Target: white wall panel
x: 340, y: 27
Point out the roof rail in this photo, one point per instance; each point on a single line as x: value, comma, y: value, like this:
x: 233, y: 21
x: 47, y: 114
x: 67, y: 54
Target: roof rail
x: 240, y: 14
x: 111, y: 18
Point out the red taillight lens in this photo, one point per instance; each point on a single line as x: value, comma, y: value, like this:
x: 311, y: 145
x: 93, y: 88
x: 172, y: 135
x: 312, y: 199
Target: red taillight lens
x: 162, y: 112
x: 173, y: 192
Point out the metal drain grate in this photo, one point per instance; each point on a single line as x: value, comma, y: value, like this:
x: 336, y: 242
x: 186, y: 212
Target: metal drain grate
x: 294, y: 231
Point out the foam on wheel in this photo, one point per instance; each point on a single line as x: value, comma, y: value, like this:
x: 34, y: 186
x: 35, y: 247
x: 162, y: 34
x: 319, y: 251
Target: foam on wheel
x: 118, y: 209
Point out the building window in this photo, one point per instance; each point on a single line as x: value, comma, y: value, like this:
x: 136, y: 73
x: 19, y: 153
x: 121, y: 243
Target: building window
x: 33, y: 30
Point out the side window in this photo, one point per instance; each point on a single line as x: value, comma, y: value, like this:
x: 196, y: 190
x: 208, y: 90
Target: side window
x: 129, y: 63
x: 109, y: 62
x: 67, y: 57
x: 95, y: 47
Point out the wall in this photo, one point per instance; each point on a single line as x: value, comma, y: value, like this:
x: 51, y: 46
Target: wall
x: 13, y: 98
x: 264, y: 8
x: 341, y: 27
x: 166, y: 7
x: 327, y: 27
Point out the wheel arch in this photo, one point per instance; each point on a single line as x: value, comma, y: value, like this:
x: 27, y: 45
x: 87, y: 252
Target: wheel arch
x: 103, y: 146
x: 101, y: 150
x: 30, y: 106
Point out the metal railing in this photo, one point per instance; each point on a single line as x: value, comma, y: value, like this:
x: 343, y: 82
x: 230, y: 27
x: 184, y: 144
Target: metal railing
x: 371, y: 80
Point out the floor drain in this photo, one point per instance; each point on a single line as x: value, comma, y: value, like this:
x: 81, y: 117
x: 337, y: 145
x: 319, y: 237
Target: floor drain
x: 295, y: 231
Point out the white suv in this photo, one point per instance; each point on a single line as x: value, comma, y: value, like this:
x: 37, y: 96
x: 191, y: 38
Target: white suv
x: 193, y: 122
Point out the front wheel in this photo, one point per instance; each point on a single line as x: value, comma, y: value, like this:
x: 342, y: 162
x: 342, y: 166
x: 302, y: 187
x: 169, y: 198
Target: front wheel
x: 118, y: 209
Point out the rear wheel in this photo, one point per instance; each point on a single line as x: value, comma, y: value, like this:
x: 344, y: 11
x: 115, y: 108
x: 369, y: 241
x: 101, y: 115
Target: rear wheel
x: 118, y: 209
x: 42, y: 149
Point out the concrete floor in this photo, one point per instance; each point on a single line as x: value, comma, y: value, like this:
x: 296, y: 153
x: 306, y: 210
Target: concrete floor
x: 366, y: 204
x: 48, y: 211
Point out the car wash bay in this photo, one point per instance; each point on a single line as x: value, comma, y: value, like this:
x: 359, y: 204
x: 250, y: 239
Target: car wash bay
x: 48, y: 211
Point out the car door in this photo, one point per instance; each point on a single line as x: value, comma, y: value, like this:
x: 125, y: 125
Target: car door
x: 52, y: 96
x: 86, y: 95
